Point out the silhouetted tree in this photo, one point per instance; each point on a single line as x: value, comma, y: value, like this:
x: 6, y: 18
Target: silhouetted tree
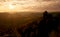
x: 45, y: 25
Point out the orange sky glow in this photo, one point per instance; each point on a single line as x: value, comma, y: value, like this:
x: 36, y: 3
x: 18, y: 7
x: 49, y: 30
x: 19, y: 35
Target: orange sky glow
x: 27, y: 5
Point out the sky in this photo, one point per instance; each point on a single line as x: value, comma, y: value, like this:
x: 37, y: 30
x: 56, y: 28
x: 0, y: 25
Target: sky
x: 29, y: 5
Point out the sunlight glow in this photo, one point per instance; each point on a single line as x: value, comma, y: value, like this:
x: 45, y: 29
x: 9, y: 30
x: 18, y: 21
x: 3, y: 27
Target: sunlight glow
x: 23, y: 5
x: 11, y: 7
x: 17, y: 6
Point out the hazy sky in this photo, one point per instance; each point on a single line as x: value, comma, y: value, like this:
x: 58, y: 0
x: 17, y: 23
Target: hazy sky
x: 29, y: 5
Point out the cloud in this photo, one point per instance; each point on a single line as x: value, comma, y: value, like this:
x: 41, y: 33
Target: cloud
x: 50, y: 5
x: 50, y: 0
x: 53, y: 6
x: 39, y: 5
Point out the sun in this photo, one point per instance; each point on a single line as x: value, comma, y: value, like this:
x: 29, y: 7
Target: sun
x: 11, y: 6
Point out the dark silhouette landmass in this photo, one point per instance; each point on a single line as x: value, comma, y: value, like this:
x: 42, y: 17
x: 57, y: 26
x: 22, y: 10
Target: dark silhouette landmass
x: 26, y: 24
